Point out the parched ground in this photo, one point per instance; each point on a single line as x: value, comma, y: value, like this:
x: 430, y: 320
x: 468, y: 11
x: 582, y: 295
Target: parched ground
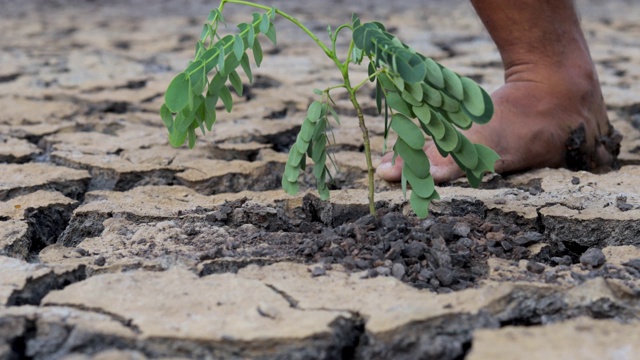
x: 113, y: 245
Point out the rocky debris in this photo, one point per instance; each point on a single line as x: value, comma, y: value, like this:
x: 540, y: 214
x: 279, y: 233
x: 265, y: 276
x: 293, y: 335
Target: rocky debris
x: 582, y: 338
x: 593, y: 258
x: 14, y: 239
x: 21, y: 179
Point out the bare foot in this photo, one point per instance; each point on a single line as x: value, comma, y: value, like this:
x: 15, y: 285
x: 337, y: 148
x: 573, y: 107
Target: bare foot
x: 541, y: 119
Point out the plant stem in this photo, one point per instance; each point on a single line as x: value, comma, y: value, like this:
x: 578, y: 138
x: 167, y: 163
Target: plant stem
x: 367, y: 150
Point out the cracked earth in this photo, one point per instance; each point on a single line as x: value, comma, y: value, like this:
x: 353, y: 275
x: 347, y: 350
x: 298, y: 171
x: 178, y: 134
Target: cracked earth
x: 113, y: 245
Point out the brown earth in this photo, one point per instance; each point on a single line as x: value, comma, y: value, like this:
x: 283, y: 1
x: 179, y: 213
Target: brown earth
x: 113, y: 245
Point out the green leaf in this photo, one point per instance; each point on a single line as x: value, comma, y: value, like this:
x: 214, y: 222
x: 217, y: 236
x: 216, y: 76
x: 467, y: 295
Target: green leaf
x: 488, y: 111
x: 406, y: 96
x: 225, y: 96
x: 319, y: 147
x: 177, y: 138
x: 467, y: 155
x: 434, y: 73
x: 386, y: 82
x: 216, y: 83
x: 295, y: 156
x: 257, y: 53
x: 198, y: 77
x: 264, y: 23
x: 246, y: 67
x: 410, y: 67
x: 415, y: 90
x: 319, y: 132
x: 398, y: 82
x: 452, y: 84
x: 307, y: 130
x: 236, y: 82
x: 324, y: 193
x: 221, y: 59
x: 408, y: 131
x: 449, y: 141
x: 397, y: 103
x: 204, y: 34
x: 419, y: 205
x: 177, y: 96
x: 238, y: 47
x: 319, y: 167
x: 314, y: 112
x: 473, y: 100
x: 210, y: 102
x: 486, y: 160
x: 379, y: 96
x: 213, y: 15
x: 435, y: 126
x: 251, y: 36
x: 423, y: 187
x: 166, y: 116
x: 423, y: 113
x: 432, y: 96
x: 290, y: 188
x: 460, y: 119
x: 449, y: 104
x: 416, y: 159
x: 271, y: 35
x: 291, y: 173
x: 192, y: 138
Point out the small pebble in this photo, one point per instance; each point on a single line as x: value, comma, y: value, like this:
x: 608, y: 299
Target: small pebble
x: 575, y: 180
x: 318, y: 271
x: 100, y: 261
x: 506, y: 245
x: 593, y: 258
x: 383, y: 271
x: 535, y: 267
x: 445, y: 276
x: 461, y: 229
x: 562, y: 261
x: 398, y: 271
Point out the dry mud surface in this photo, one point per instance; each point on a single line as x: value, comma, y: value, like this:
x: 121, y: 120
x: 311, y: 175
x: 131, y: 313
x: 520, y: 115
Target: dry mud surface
x: 113, y: 245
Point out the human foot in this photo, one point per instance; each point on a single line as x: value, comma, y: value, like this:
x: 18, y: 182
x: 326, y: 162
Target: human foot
x: 541, y: 119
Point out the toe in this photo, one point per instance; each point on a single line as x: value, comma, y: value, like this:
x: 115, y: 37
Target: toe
x: 388, y: 171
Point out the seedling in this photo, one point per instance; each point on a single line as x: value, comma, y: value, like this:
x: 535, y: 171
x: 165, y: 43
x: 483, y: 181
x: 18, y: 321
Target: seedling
x: 417, y: 96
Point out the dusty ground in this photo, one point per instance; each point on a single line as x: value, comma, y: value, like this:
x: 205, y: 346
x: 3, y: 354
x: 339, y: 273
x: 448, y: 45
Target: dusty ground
x: 114, y: 245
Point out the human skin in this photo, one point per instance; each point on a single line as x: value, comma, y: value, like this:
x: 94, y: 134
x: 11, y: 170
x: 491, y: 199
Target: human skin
x: 550, y: 111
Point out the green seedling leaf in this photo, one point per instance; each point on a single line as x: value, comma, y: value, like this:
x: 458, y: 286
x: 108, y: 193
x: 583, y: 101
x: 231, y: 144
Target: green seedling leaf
x: 257, y: 53
x: 449, y: 141
x: 397, y: 103
x: 271, y: 34
x: 251, y: 36
x: 301, y: 146
x: 473, y: 100
x: 416, y: 159
x: 291, y: 173
x: 220, y: 60
x: 307, y: 129
x: 324, y: 193
x: 488, y: 111
x: 423, y: 187
x: 408, y: 131
x: 192, y: 138
x: 315, y: 111
x: 379, y: 96
x: 177, y: 96
x: 423, y: 113
x: 198, y: 77
x: 166, y: 116
x: 419, y: 205
x: 406, y: 96
x: 290, y: 188
x: 452, y: 84
x: 434, y: 73
x: 238, y: 47
x: 410, y: 67
x: 319, y: 147
x: 295, y: 156
x: 213, y: 15
x: 225, y: 96
x: 386, y: 82
x: 319, y: 168
x: 398, y: 82
x: 435, y: 126
x: 415, y: 90
x: 486, y: 160
x: 460, y: 119
x: 264, y: 23
x: 467, y: 154
x: 177, y: 138
x: 319, y: 132
x: 204, y: 34
x: 216, y: 83
x: 210, y: 102
x: 449, y: 104
x: 236, y: 82
x: 431, y: 96
x: 246, y: 67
